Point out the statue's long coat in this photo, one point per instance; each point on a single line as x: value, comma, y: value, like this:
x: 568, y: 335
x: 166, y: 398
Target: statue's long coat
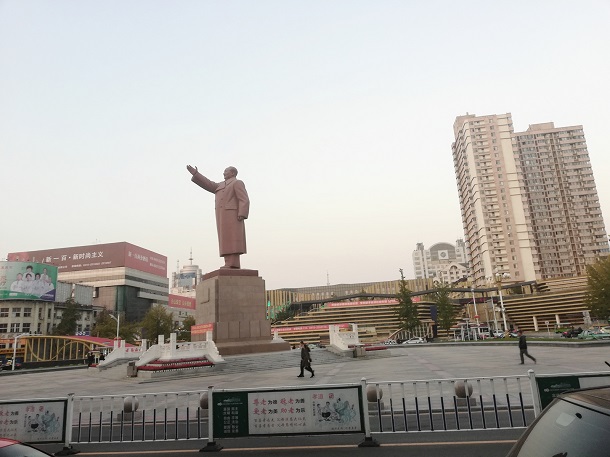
x: 231, y: 201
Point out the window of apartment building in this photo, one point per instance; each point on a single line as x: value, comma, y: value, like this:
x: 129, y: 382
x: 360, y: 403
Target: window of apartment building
x: 3, y: 328
x: 40, y: 313
x: 39, y: 329
x: 3, y: 312
x: 16, y: 312
x: 49, y: 313
x: 15, y: 326
x: 27, y: 312
x: 26, y: 327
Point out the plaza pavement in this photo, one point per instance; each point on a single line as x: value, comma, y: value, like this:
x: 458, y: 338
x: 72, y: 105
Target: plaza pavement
x: 408, y: 362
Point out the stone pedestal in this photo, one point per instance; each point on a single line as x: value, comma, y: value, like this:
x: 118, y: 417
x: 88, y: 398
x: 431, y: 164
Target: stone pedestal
x: 234, y: 300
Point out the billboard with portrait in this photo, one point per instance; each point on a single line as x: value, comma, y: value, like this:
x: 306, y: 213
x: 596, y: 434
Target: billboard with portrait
x: 27, y: 281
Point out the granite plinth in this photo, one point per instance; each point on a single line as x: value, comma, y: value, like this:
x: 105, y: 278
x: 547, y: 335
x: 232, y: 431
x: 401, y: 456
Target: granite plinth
x: 234, y: 300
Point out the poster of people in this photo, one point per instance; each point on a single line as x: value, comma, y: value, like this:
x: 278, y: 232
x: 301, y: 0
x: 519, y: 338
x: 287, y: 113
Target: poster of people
x: 34, y: 422
x: 27, y: 281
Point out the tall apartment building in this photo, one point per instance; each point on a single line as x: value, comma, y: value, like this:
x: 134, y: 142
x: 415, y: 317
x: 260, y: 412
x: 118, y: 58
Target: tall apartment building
x: 443, y: 261
x: 561, y: 203
x: 524, y: 198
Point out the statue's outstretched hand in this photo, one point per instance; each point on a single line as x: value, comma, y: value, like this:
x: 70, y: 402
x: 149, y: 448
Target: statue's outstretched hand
x: 192, y: 170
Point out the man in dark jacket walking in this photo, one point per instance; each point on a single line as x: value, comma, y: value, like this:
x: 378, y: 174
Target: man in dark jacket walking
x: 523, y: 347
x: 305, y: 360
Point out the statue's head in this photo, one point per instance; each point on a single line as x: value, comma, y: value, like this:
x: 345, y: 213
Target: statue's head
x: 230, y: 172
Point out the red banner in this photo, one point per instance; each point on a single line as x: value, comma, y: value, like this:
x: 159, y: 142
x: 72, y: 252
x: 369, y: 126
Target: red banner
x: 342, y: 304
x: 178, y: 301
x: 202, y: 328
x: 307, y: 327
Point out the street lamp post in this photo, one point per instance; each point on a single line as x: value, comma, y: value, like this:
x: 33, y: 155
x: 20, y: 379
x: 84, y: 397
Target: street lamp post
x: 476, y: 313
x: 493, y: 307
x: 499, y: 277
x: 118, y: 323
x: 15, y: 349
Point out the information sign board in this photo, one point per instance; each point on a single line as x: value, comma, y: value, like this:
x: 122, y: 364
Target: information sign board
x: 290, y: 411
x: 36, y: 421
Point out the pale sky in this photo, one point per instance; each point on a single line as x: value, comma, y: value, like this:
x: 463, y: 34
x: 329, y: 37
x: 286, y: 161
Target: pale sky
x: 338, y: 115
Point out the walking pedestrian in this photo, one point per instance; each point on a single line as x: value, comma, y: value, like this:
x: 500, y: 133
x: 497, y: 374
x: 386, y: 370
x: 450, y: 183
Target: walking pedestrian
x: 305, y: 360
x: 523, y: 347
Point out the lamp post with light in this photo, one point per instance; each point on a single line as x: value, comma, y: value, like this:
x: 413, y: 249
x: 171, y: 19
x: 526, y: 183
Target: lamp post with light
x: 13, y: 363
x: 498, y: 277
x: 476, y: 313
x: 118, y: 323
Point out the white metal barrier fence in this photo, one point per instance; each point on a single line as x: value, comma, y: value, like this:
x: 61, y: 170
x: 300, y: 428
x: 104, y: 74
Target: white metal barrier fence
x: 141, y: 417
x: 452, y: 404
x: 393, y: 406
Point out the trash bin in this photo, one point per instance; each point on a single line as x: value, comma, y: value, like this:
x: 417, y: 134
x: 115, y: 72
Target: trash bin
x: 359, y: 351
x: 132, y: 370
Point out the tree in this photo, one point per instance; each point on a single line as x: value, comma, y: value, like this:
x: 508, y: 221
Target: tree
x: 407, y: 310
x: 69, y: 319
x: 283, y: 315
x: 184, y: 332
x: 598, y: 289
x: 105, y: 327
x: 445, y: 311
x: 157, y: 321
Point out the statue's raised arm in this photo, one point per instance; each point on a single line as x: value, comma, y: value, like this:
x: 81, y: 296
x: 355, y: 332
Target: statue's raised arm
x: 232, y: 208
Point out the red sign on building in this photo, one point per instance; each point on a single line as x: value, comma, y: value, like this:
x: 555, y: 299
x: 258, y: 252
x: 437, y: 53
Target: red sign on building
x: 97, y: 256
x: 178, y: 301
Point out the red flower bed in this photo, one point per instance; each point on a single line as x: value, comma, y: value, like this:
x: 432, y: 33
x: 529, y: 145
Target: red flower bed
x: 176, y: 364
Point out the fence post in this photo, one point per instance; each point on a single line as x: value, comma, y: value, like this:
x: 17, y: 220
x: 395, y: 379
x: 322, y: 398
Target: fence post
x: 535, y: 394
x: 364, y: 407
x: 68, y: 449
x: 211, y: 446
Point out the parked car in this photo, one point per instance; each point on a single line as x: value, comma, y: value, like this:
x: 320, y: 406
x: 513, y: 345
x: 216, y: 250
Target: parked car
x: 8, y: 365
x: 575, y: 423
x: 414, y: 340
x: 591, y: 335
x: 572, y: 333
x: 13, y: 448
x: 389, y: 342
x: 498, y: 334
x: 513, y: 334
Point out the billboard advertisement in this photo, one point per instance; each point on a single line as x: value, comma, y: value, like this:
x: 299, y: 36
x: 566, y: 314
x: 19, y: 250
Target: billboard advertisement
x: 27, y: 281
x: 97, y: 256
x: 178, y: 301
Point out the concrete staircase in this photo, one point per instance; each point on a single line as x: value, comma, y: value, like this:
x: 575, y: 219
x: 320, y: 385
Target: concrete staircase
x: 287, y: 359
x: 275, y: 360
x: 245, y: 363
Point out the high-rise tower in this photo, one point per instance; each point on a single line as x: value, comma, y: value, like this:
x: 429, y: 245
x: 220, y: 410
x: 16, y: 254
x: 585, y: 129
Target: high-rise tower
x: 561, y: 203
x: 524, y: 198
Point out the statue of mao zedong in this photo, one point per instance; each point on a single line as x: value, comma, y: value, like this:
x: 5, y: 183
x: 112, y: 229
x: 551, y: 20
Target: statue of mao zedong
x: 232, y: 207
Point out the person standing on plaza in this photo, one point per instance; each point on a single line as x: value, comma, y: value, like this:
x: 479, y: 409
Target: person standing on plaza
x: 305, y: 360
x: 523, y: 347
